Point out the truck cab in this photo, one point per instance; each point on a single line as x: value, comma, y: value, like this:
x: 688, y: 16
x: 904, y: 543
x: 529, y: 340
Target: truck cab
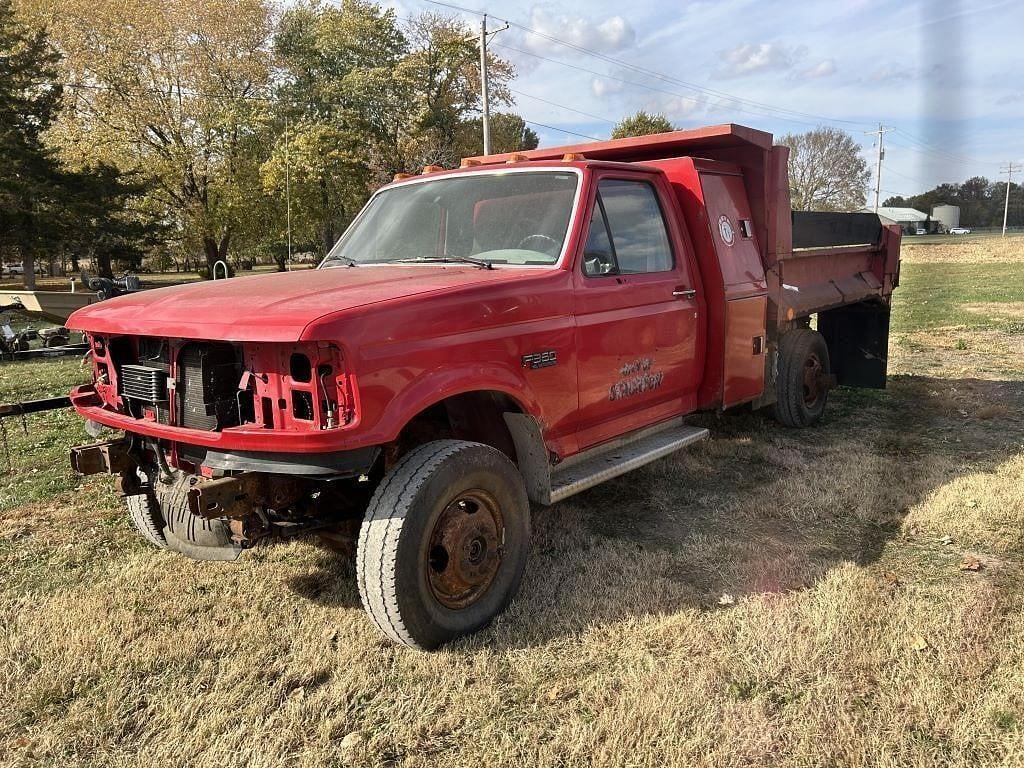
x: 515, y: 330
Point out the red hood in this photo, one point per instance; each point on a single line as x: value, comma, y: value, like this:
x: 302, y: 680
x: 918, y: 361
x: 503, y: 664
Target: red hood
x: 274, y: 307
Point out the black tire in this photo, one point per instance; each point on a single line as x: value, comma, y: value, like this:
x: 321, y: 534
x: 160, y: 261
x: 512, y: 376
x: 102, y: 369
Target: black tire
x: 801, y: 388
x: 420, y: 511
x: 163, y: 518
x: 145, y: 515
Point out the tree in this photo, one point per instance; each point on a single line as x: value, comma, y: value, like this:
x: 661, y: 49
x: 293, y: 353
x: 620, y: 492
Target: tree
x: 826, y: 171
x: 641, y: 124
x: 341, y: 106
x: 30, y: 174
x: 979, y: 199
x: 509, y: 133
x: 106, y: 219
x: 443, y: 70
x: 175, y: 92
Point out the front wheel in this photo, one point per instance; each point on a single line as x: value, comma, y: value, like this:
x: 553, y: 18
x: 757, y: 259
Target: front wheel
x: 443, y: 545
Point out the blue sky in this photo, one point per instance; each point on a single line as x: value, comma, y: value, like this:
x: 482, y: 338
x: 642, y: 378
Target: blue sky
x: 947, y: 74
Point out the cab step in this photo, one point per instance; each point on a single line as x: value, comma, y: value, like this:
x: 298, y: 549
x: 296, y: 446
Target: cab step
x: 547, y: 484
x: 589, y: 470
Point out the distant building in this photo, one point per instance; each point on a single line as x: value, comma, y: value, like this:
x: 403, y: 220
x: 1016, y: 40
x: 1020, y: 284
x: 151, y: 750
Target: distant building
x: 909, y: 219
x: 947, y: 215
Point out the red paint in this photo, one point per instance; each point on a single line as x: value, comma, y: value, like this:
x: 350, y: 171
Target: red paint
x: 401, y: 338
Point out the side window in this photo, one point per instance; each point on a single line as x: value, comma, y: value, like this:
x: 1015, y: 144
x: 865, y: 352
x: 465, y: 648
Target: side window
x: 638, y: 233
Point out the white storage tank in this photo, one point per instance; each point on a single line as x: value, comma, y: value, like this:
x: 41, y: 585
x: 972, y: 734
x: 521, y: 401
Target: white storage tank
x: 947, y: 215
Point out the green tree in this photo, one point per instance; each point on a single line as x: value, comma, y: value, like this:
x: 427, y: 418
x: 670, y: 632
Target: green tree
x: 30, y: 174
x: 509, y: 133
x: 106, y: 219
x: 641, y: 124
x: 443, y: 70
x: 341, y: 108
x: 826, y: 171
x: 175, y: 92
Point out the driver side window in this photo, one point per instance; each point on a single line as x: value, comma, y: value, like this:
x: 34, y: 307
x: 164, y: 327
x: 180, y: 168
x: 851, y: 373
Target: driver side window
x: 627, y: 231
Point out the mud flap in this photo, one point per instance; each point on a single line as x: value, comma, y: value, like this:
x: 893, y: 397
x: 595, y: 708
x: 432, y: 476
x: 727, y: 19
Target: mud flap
x: 858, y: 343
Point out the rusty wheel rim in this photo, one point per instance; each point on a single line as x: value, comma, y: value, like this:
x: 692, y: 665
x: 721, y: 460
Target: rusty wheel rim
x: 814, y: 380
x: 465, y: 549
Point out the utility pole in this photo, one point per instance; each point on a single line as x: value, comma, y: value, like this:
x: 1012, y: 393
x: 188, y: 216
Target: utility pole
x: 1008, y: 170
x: 882, y: 130
x: 484, y: 98
x: 288, y: 187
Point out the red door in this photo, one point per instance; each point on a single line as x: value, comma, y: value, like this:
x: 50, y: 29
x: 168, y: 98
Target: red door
x: 638, y: 312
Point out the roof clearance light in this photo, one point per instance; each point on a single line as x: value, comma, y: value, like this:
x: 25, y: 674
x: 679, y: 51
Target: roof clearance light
x: 573, y: 157
x: 469, y: 162
x: 402, y: 176
x: 517, y: 157
x: 432, y: 168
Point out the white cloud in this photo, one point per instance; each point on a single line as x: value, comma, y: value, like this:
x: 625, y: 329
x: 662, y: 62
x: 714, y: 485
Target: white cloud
x: 825, y: 68
x: 891, y: 73
x: 602, y: 88
x: 613, y: 34
x: 753, y: 58
x: 1011, y: 98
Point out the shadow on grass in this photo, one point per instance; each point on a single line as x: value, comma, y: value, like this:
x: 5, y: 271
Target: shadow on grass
x: 758, y: 508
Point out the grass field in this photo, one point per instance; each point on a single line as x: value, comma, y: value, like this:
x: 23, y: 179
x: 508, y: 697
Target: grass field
x: 852, y: 594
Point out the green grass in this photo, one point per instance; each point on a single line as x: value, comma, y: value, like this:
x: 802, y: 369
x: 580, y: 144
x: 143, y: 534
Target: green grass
x: 934, y: 295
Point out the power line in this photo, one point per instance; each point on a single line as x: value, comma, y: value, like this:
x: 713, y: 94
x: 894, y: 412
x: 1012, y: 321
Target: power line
x: 563, y: 130
x: 925, y: 146
x: 563, y: 106
x: 635, y: 84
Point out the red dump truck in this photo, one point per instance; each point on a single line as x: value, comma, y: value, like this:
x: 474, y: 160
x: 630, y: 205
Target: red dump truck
x: 519, y: 329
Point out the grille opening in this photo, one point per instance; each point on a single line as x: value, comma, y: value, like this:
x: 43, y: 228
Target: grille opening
x: 300, y: 369
x: 246, y: 406
x: 302, y: 405
x: 155, y: 353
x: 208, y: 376
x: 121, y: 350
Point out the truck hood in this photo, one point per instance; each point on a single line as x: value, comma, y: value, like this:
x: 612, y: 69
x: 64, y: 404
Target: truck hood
x: 273, y: 307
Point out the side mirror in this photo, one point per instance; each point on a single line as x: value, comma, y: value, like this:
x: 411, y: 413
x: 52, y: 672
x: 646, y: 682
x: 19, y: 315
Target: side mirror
x: 598, y: 264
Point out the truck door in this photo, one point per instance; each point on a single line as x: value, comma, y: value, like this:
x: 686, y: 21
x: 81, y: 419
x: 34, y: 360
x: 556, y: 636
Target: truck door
x: 638, y: 310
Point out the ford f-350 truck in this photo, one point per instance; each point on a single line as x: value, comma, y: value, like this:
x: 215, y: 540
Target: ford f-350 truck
x: 515, y: 330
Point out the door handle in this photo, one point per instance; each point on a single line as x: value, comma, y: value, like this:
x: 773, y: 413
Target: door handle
x: 684, y: 293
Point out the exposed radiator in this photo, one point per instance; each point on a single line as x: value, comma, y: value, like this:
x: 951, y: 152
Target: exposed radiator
x: 208, y: 376
x: 140, y: 382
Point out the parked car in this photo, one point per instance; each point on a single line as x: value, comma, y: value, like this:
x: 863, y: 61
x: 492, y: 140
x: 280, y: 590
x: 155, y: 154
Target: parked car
x: 921, y: 231
x: 519, y: 329
x: 959, y: 231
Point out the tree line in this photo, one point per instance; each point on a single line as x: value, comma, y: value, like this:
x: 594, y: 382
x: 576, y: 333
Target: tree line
x: 133, y: 128
x: 981, y: 202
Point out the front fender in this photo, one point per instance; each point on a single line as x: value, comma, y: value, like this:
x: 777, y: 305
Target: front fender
x: 437, y: 385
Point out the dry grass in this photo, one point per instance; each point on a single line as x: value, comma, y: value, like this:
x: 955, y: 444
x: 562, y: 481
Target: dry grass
x: 981, y: 250
x: 769, y: 598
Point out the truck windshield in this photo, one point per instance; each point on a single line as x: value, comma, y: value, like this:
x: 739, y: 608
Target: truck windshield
x: 504, y: 217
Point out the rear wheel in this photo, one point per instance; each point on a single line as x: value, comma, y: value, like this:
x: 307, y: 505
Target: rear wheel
x: 443, y: 545
x: 803, y: 378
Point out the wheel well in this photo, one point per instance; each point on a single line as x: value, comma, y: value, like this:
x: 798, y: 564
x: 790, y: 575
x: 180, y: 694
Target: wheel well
x: 475, y: 416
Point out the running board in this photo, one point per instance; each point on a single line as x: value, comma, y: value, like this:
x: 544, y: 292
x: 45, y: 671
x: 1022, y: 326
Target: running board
x: 548, y: 485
